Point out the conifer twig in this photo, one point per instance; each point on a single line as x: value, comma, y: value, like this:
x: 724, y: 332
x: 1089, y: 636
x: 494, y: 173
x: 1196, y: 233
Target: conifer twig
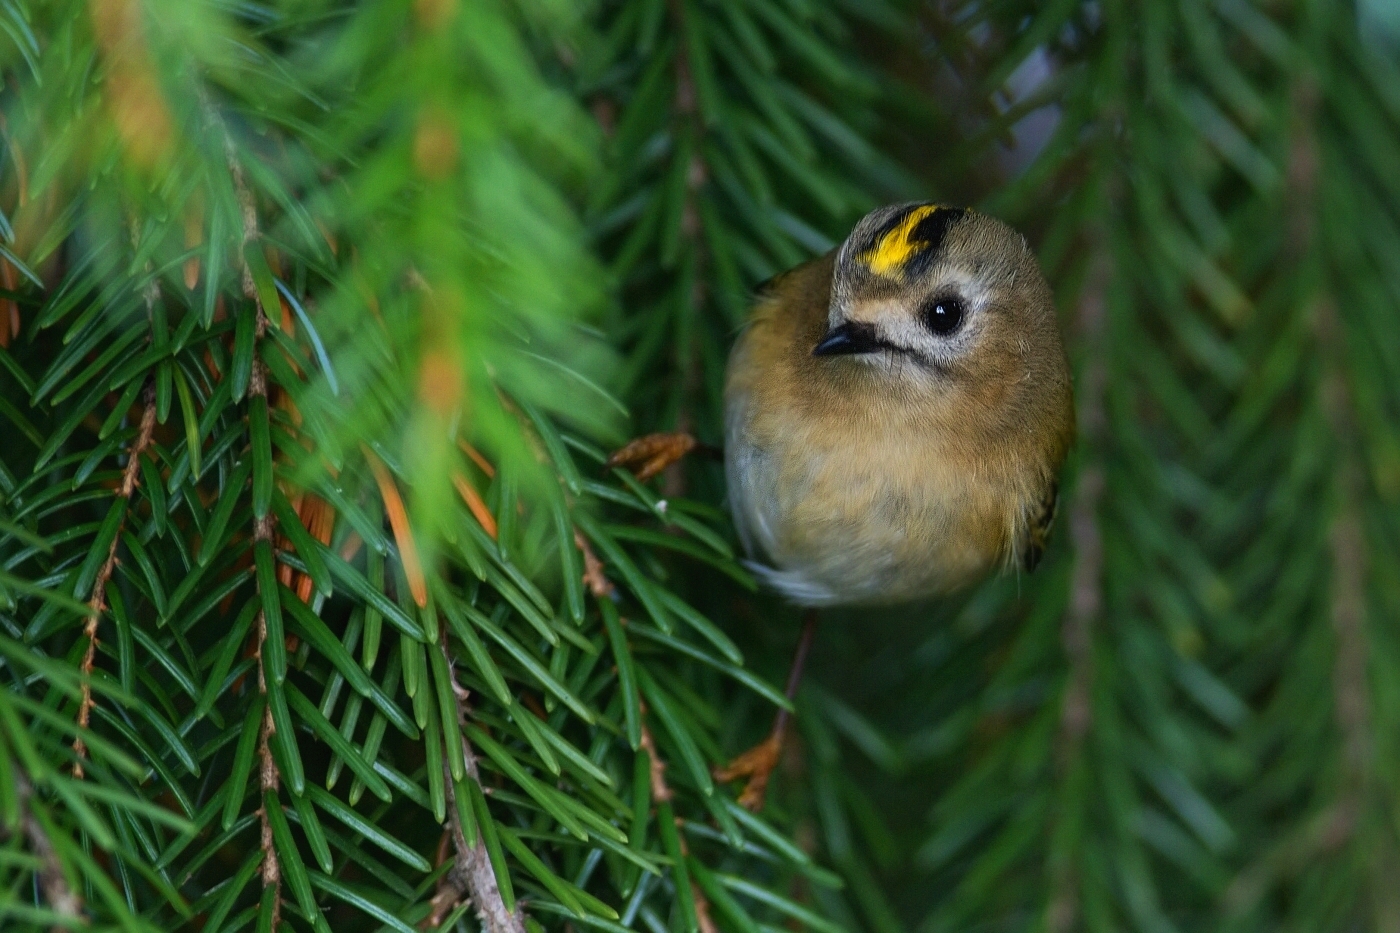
x: 269, y: 782
x: 659, y: 788
x: 697, y: 173
x: 662, y: 793
x: 471, y: 874
x: 263, y: 528
x: 130, y: 477
x: 1347, y: 610
x: 247, y: 206
x: 593, y: 576
x: 269, y: 775
x: 97, y: 602
x: 61, y: 898
x: 602, y: 588
x: 1086, y: 579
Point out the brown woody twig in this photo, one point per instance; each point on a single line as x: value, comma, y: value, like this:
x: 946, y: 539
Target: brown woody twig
x: 471, y: 875
x: 97, y: 603
x: 593, y: 576
x: 270, y: 777
x: 263, y: 528
x: 270, y: 780
x: 662, y: 793
x: 61, y: 898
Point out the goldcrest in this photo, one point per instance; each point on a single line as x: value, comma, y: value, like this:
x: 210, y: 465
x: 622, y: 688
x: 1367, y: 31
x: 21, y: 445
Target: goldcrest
x: 897, y: 411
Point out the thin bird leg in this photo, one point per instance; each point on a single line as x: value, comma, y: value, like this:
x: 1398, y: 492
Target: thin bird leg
x: 757, y: 763
x: 648, y: 455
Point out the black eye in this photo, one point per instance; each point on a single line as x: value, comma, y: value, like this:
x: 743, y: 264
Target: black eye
x: 943, y: 315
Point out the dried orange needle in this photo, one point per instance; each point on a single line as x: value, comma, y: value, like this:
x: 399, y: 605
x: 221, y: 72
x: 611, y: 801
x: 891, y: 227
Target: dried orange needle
x: 9, y: 309
x: 477, y: 458
x: 194, y: 238
x: 398, y: 521
x: 319, y: 519
x: 475, y: 503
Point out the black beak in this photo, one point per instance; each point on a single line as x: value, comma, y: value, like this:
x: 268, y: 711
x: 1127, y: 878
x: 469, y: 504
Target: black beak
x: 848, y: 338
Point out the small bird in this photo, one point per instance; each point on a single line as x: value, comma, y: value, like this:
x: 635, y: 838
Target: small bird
x: 896, y: 415
x: 896, y: 412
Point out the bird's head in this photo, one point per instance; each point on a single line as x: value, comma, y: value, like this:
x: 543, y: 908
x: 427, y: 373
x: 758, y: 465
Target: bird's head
x: 938, y: 291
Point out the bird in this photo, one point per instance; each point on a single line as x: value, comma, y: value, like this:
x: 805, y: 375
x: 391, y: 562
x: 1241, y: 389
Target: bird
x: 897, y: 412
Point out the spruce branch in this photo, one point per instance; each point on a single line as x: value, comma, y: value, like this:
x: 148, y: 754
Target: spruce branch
x: 269, y: 778
x: 1086, y: 582
x: 697, y: 173
x: 97, y: 603
x: 593, y: 576
x: 64, y: 901
x: 602, y: 588
x: 1086, y: 578
x: 247, y: 207
x: 471, y: 874
x: 269, y: 783
x: 1346, y: 538
x: 1347, y: 611
x: 661, y: 792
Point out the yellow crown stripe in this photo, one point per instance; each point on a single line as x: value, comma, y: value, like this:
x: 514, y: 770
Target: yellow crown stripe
x: 895, y: 248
